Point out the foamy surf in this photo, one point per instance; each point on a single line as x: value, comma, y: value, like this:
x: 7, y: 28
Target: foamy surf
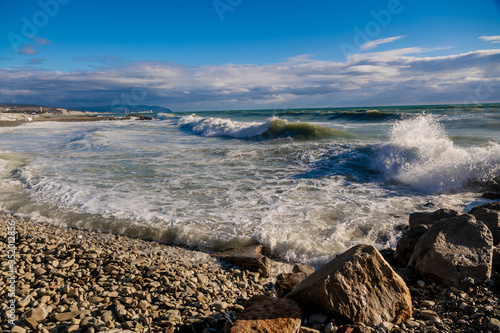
x: 421, y: 154
x: 180, y: 180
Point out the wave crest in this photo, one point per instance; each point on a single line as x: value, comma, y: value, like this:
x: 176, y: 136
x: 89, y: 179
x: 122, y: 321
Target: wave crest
x: 272, y: 128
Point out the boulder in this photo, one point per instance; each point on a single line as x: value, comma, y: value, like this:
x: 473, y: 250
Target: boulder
x: 249, y: 257
x: 268, y: 314
x: 456, y: 251
x: 406, y: 244
x: 491, y: 195
x: 490, y: 205
x: 495, y: 266
x: 428, y: 218
x: 491, y: 218
x: 286, y: 282
x: 299, y: 268
x: 358, y: 284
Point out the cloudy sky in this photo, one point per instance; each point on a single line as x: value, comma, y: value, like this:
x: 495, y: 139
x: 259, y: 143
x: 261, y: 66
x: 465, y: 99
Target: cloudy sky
x: 194, y: 55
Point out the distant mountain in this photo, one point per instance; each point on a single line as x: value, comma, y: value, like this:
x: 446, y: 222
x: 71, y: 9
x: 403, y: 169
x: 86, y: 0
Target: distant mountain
x: 126, y: 109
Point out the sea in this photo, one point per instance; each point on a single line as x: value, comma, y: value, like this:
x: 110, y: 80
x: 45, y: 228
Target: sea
x: 306, y: 183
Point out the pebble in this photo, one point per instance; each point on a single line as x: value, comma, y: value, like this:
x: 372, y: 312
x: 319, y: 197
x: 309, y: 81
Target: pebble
x: 81, y: 281
x: 494, y: 324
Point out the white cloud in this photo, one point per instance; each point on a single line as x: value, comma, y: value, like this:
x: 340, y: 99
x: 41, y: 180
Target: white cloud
x: 493, y: 39
x: 374, y: 43
x: 400, y: 76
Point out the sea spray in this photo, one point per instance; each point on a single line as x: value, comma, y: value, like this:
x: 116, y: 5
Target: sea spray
x: 421, y: 154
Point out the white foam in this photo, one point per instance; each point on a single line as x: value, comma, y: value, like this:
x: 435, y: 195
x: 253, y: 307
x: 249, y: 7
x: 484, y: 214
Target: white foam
x: 421, y: 155
x: 218, y: 127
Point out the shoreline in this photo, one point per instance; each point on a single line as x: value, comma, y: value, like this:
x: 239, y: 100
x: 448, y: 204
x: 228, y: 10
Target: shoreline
x: 68, y: 118
x: 89, y: 281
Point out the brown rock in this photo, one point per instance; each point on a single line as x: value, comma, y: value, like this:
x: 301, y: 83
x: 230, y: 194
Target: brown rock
x: 455, y: 251
x: 299, y: 268
x: 37, y: 314
x: 266, y: 314
x: 491, y: 218
x: 496, y: 259
x: 287, y: 281
x: 358, y: 284
x: 427, y: 218
x: 65, y: 316
x: 249, y: 257
x: 406, y: 244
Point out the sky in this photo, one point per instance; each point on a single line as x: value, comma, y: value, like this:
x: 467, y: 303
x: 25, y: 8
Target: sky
x: 195, y: 55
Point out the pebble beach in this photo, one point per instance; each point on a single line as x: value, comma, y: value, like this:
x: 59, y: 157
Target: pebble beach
x: 70, y: 280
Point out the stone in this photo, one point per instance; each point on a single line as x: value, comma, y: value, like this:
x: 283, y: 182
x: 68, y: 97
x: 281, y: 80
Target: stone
x: 220, y: 305
x: 249, y: 257
x: 287, y: 281
x: 17, y: 329
x: 494, y: 324
x: 65, y: 316
x: 491, y: 218
x: 491, y: 195
x: 305, y: 329
x: 456, y: 251
x: 427, y: 218
x: 23, y: 302
x: 490, y: 205
x: 37, y: 314
x: 406, y: 244
x: 299, y: 268
x: 40, y: 271
x: 358, y: 284
x: 318, y: 318
x: 173, y: 317
x: 330, y: 328
x: 495, y: 265
x: 268, y: 314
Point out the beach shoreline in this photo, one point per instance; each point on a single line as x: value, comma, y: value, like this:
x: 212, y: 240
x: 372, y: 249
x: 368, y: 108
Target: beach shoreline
x: 89, y: 281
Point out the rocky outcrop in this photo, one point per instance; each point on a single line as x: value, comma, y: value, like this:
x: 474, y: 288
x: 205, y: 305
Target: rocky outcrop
x: 268, y: 314
x: 456, y: 251
x: 406, y: 244
x: 491, y: 218
x: 358, y: 284
x: 428, y: 218
x: 248, y: 257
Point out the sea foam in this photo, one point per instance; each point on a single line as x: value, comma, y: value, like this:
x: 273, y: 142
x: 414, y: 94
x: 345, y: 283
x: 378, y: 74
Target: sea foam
x: 421, y: 154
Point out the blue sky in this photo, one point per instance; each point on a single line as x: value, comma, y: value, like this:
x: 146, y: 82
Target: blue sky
x: 244, y: 54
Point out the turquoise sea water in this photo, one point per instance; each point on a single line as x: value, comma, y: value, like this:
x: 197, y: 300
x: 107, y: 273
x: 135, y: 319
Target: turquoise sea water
x: 307, y: 183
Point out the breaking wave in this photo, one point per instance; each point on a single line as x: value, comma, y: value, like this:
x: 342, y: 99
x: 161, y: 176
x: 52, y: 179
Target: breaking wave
x: 272, y: 128
x: 421, y: 154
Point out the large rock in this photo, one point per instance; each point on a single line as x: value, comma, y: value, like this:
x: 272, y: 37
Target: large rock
x: 358, y: 284
x: 406, y: 244
x: 286, y: 282
x: 428, y: 218
x: 249, y: 257
x: 456, y: 251
x: 495, y: 266
x: 490, y: 205
x: 266, y: 314
x: 491, y: 218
